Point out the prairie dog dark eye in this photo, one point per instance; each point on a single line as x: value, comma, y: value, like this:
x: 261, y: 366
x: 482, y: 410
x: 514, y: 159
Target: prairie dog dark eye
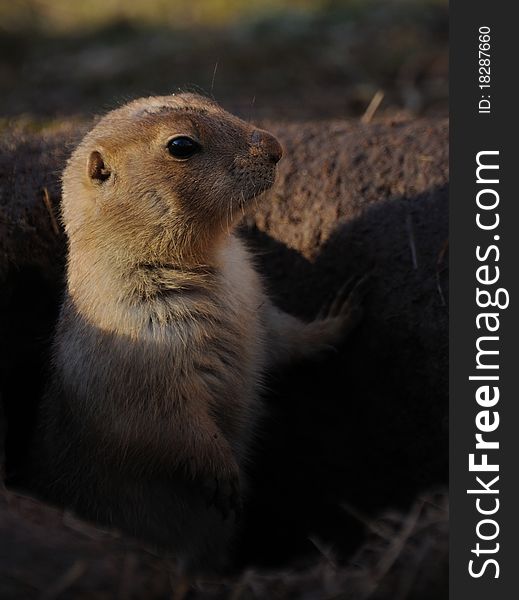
x: 183, y: 147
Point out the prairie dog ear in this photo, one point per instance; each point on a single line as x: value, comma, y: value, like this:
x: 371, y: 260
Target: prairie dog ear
x: 97, y: 170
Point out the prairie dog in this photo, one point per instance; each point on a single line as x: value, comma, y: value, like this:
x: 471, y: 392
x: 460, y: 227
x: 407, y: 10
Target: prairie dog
x: 165, y: 331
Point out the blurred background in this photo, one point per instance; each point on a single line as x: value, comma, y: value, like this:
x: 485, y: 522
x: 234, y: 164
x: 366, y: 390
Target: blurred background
x: 262, y: 59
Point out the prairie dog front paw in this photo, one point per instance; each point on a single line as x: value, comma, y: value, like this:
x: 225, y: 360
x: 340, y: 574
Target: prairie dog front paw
x: 343, y: 313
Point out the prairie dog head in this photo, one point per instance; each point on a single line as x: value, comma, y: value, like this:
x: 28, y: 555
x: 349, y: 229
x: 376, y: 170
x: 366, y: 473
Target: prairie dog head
x: 164, y: 178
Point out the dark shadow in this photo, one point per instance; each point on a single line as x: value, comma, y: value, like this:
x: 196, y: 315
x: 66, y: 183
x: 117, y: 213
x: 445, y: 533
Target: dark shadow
x: 31, y: 302
x: 365, y: 429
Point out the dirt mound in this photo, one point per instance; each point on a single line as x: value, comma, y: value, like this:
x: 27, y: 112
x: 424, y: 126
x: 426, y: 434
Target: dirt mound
x: 368, y: 425
x: 47, y: 554
x: 363, y: 429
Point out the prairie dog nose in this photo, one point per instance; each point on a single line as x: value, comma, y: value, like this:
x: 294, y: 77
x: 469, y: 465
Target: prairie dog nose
x: 268, y: 144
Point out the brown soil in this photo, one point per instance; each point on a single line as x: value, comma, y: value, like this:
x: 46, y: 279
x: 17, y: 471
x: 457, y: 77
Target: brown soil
x: 47, y: 554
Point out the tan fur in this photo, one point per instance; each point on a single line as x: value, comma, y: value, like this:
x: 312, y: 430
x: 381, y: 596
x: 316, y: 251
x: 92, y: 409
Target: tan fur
x: 165, y: 331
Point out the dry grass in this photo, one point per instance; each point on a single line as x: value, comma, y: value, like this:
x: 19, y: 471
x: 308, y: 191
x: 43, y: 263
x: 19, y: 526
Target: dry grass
x: 404, y: 557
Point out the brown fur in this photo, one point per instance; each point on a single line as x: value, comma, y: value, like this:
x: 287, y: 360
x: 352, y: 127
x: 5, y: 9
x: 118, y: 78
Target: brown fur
x: 165, y: 331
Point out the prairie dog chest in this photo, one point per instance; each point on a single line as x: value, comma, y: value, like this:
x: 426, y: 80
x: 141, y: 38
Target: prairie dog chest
x: 242, y: 286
